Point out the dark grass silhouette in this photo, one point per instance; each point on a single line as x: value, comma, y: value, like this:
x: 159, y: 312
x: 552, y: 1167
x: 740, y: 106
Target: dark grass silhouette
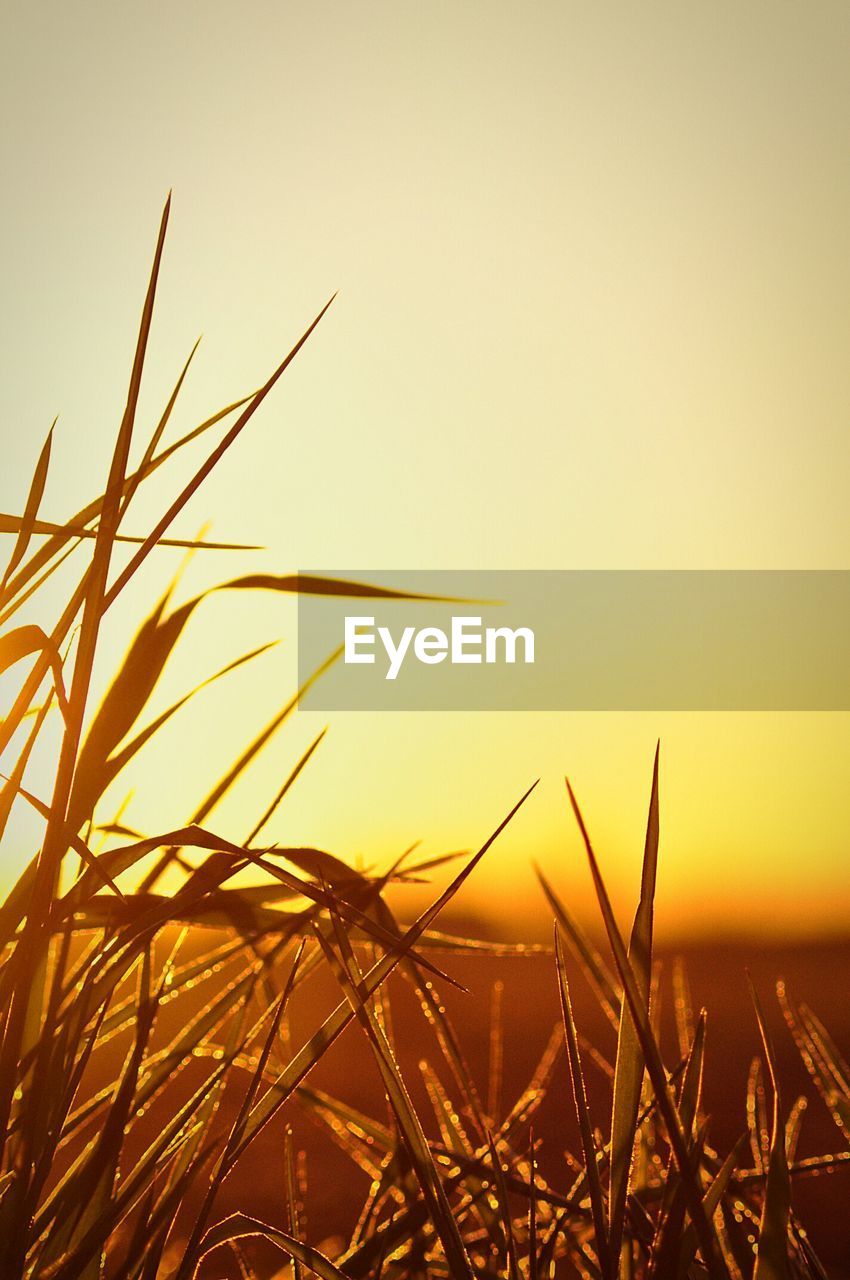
x: 158, y: 1048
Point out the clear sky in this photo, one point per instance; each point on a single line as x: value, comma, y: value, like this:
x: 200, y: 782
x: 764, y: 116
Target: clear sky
x: 593, y: 277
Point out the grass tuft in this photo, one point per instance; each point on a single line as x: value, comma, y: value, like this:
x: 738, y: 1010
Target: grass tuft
x: 147, y: 1043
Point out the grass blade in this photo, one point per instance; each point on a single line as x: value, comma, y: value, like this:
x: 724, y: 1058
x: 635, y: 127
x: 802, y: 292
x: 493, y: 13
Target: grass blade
x: 410, y: 1127
x: 28, y: 519
x: 593, y: 967
x: 240, y: 1226
x: 204, y: 470
x: 772, y: 1252
x: 318, y: 1044
x: 629, y: 1064
x: 666, y: 1104
x: 591, y: 1166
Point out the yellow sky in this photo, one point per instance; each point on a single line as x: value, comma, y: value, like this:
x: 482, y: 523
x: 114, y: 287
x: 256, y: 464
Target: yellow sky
x: 592, y: 313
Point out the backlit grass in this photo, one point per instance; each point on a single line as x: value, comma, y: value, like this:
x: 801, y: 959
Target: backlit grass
x: 113, y: 998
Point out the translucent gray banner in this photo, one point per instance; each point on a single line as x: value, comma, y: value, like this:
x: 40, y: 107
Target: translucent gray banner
x: 578, y: 640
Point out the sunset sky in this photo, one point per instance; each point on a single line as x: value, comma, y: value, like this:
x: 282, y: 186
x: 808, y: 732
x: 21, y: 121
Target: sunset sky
x: 593, y: 278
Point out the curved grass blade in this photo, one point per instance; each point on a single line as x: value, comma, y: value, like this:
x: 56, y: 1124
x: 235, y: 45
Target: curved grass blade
x: 22, y: 642
x: 28, y: 520
x: 311, y: 584
x: 240, y: 1226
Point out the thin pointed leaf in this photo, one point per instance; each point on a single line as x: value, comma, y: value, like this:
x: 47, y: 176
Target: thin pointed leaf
x: 707, y: 1239
x: 591, y: 1167
x: 772, y: 1251
x: 629, y: 1065
x: 594, y: 968
x: 28, y: 519
x: 205, y: 469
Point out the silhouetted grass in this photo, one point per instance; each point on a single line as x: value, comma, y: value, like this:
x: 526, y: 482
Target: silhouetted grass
x: 97, y: 959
